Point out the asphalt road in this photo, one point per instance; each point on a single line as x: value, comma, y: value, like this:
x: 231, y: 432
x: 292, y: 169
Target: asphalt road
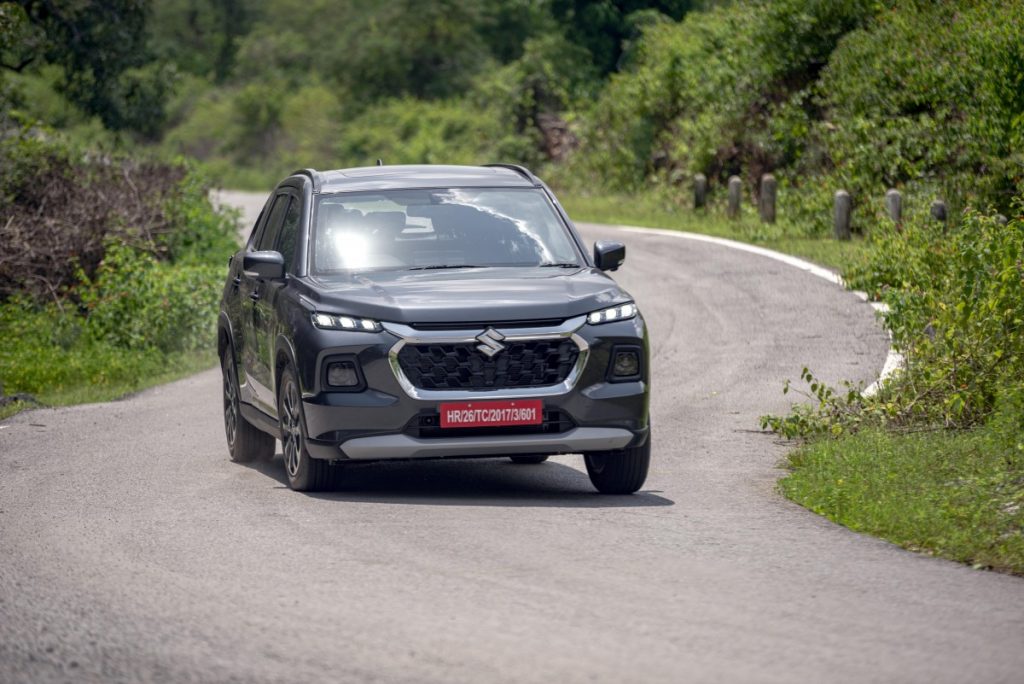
x: 131, y: 549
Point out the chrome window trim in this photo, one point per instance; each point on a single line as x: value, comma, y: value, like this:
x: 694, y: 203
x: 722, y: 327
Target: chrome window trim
x: 410, y: 335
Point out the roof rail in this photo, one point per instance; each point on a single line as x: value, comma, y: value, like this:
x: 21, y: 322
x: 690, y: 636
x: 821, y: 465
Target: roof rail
x: 313, y: 176
x: 521, y: 170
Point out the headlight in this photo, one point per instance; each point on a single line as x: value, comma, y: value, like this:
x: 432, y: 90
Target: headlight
x: 616, y: 313
x: 331, y: 322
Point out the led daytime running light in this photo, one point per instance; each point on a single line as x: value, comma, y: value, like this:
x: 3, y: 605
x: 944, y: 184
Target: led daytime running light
x: 616, y: 313
x: 329, y: 322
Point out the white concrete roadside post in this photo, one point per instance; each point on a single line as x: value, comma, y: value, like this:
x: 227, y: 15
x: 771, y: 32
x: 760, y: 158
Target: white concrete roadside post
x: 767, y: 199
x: 735, y: 196
x: 700, y: 191
x: 842, y: 214
x: 894, y: 206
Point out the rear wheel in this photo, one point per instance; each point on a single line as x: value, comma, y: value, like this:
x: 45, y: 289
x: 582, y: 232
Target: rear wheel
x: 245, y: 442
x: 619, y: 472
x: 528, y: 460
x: 305, y: 473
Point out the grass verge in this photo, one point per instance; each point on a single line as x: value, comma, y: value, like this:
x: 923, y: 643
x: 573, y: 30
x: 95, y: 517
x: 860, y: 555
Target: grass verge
x: 958, y: 496
x: 655, y: 212
x: 93, y: 375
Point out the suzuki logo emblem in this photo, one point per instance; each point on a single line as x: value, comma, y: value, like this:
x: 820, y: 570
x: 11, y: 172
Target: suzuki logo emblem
x: 490, y: 342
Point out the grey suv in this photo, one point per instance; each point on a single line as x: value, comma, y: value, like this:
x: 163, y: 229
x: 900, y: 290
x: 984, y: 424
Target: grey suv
x: 410, y: 312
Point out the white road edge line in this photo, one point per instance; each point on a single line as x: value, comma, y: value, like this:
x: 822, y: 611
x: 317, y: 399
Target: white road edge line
x: 893, y: 359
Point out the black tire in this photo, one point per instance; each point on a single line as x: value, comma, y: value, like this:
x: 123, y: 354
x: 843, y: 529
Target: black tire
x: 528, y: 460
x: 619, y: 472
x: 245, y: 442
x: 304, y: 473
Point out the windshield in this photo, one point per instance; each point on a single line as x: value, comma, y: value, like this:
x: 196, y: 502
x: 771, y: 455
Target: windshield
x: 439, y: 228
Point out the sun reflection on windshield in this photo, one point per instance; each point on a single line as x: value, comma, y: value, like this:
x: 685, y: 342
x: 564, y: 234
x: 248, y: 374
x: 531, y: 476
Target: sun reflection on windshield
x: 353, y: 249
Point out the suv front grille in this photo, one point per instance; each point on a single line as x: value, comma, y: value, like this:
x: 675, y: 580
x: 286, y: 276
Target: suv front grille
x: 460, y: 366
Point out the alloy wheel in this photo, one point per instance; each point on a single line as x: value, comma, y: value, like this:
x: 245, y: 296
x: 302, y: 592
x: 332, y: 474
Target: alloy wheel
x: 291, y: 427
x: 231, y: 409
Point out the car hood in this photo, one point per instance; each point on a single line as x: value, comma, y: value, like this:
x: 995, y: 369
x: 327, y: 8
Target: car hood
x: 471, y: 295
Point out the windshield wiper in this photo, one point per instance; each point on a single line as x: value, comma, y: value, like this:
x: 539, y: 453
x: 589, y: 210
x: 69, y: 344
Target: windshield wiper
x: 438, y: 266
x: 560, y: 264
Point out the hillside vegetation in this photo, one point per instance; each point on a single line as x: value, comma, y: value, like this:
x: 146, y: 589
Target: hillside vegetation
x: 113, y: 111
x: 925, y: 96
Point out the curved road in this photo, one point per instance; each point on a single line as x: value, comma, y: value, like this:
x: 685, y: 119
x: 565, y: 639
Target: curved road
x: 131, y: 549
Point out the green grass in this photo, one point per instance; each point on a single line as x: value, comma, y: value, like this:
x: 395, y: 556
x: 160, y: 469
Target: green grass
x: 959, y: 496
x: 9, y: 409
x: 656, y: 212
x: 93, y: 374
x: 51, y: 357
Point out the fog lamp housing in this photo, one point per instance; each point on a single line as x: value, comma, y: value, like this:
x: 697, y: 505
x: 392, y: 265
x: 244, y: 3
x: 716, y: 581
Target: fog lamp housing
x: 342, y: 374
x: 625, y: 364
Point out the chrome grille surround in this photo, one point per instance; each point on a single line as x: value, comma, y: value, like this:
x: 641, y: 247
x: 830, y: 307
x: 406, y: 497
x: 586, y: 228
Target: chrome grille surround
x: 408, y: 335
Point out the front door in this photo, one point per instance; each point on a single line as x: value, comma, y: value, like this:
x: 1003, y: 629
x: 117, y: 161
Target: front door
x: 258, y: 317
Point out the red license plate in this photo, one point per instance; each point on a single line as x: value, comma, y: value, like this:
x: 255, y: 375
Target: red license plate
x: 492, y: 413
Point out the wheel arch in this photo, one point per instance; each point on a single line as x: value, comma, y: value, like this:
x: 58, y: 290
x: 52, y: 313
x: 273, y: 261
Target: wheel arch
x: 225, y: 337
x: 284, y: 354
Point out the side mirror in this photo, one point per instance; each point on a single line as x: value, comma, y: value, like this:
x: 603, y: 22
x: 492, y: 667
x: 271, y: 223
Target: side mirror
x: 608, y: 256
x: 264, y: 265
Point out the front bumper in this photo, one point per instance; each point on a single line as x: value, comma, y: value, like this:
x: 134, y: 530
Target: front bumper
x: 385, y: 447
x: 390, y: 420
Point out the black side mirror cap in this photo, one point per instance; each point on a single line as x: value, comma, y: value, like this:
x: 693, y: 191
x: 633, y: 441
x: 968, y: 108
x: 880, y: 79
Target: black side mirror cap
x: 264, y: 265
x: 608, y: 256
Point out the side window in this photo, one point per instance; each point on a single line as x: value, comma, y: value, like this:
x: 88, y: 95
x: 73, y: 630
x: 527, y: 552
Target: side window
x: 254, y: 234
x: 273, y: 225
x: 289, y: 234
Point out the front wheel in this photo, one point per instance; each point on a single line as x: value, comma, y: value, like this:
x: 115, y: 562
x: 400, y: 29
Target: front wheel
x: 619, y: 472
x: 305, y: 473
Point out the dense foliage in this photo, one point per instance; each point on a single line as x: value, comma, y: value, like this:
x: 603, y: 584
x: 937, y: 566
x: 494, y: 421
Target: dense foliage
x: 59, y: 208
x: 922, y: 96
x: 455, y: 81
x: 259, y: 88
x: 110, y: 268
x: 106, y: 68
x: 955, y: 302
x: 616, y: 94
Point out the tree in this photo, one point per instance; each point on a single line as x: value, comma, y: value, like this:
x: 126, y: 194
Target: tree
x: 602, y: 26
x: 200, y: 36
x: 101, y: 46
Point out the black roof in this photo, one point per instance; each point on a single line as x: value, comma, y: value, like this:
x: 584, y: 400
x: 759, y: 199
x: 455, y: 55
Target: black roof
x: 419, y: 176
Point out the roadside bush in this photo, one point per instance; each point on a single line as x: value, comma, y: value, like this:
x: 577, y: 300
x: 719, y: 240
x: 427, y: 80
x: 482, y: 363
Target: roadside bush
x: 864, y: 95
x: 110, y: 269
x: 60, y: 206
x: 136, y: 302
x: 726, y: 91
x: 672, y: 104
x: 956, y: 312
x: 46, y: 352
x: 929, y: 98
